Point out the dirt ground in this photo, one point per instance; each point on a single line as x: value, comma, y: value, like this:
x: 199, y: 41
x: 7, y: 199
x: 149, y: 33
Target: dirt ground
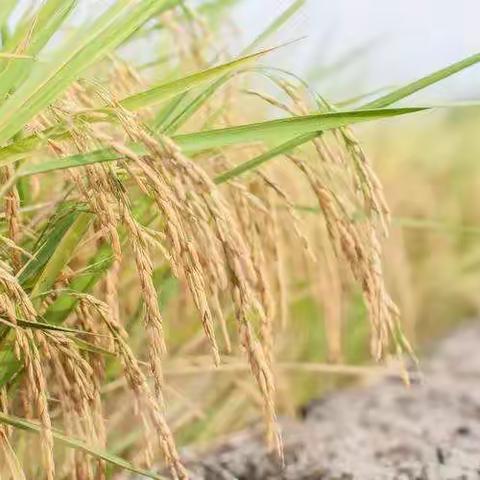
x: 376, y: 432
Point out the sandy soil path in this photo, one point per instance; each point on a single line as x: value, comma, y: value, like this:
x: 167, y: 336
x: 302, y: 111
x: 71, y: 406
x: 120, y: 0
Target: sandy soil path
x: 375, y: 432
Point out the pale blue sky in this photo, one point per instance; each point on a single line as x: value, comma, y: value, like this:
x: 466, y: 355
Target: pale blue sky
x: 403, y: 39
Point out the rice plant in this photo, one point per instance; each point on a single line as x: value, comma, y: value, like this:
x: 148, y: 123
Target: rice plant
x: 152, y: 231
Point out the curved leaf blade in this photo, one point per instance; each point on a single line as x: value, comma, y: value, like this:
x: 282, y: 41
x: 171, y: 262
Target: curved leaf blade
x: 61, y: 256
x: 78, y: 444
x: 165, y: 91
x: 264, y: 157
x: 272, y: 130
x: 283, y: 128
x: 421, y: 83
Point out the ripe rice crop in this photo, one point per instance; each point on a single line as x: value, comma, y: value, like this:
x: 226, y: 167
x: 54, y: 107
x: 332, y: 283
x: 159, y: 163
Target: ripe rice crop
x: 157, y: 223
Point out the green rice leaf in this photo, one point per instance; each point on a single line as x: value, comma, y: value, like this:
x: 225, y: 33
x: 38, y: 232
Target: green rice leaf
x: 90, y: 347
x: 264, y: 157
x: 270, y: 131
x: 19, y: 149
x: 77, y: 444
x: 61, y: 256
x: 285, y: 128
x: 150, y: 97
x: 99, y: 263
x: 165, y: 91
x: 420, y: 84
x: 164, y: 115
x: 59, y: 310
x: 46, y: 249
x: 194, y: 105
x: 77, y: 160
x: 48, y: 326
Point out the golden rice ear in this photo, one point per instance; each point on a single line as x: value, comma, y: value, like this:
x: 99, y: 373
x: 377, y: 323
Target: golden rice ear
x: 77, y: 394
x: 11, y: 204
x: 11, y: 465
x: 13, y: 300
x: 150, y: 409
x: 194, y: 210
x: 358, y: 243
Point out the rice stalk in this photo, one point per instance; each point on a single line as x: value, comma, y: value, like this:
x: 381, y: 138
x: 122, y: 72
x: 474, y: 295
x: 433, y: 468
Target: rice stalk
x: 146, y: 221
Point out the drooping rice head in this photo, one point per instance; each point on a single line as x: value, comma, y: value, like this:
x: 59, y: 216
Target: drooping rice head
x: 141, y: 229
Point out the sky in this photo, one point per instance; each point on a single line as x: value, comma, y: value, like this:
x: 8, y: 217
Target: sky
x: 378, y: 43
x: 395, y: 42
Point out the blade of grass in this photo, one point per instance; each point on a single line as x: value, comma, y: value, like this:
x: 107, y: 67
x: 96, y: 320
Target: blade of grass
x: 165, y: 91
x: 78, y: 160
x: 22, y: 147
x: 52, y: 268
x: 82, y: 344
x: 269, y: 131
x: 12, y: 366
x: 61, y: 256
x: 420, y: 84
x: 15, y: 56
x: 264, y: 157
x: 90, y: 347
x: 381, y: 102
x: 41, y: 256
x: 166, y: 113
x: 98, y: 264
x: 78, y: 444
x: 274, y: 130
x: 59, y: 310
x: 193, y: 106
x: 49, y: 326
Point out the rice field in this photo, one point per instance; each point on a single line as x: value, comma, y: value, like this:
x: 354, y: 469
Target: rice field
x: 192, y: 239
